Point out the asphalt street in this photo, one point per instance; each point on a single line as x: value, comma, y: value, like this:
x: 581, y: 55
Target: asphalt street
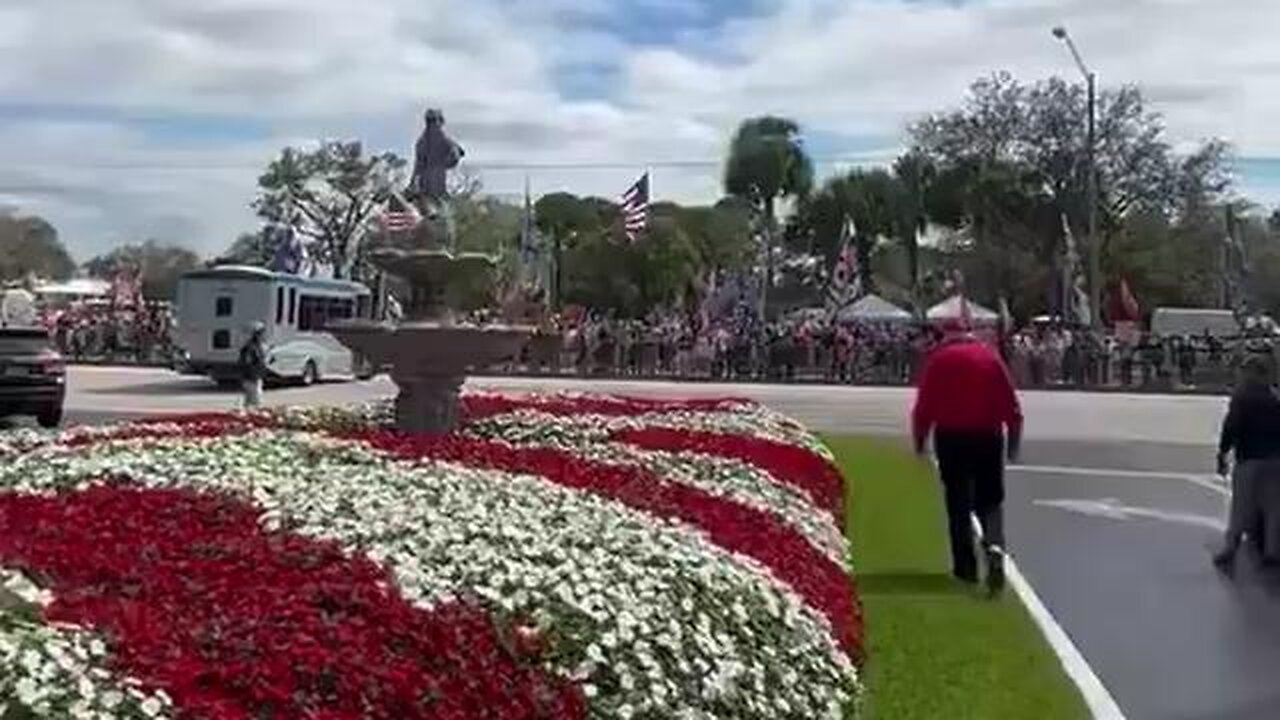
x: 1112, y: 515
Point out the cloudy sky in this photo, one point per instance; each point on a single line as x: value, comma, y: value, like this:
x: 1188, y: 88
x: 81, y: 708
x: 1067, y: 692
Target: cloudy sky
x: 125, y: 119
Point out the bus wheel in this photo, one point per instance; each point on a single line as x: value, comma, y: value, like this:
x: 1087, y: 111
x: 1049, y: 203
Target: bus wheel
x: 310, y: 376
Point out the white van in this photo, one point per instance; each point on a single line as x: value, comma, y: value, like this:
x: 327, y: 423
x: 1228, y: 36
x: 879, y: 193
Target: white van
x: 217, y: 308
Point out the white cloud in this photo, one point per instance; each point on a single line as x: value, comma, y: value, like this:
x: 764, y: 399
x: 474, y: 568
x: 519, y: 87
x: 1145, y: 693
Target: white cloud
x: 310, y: 68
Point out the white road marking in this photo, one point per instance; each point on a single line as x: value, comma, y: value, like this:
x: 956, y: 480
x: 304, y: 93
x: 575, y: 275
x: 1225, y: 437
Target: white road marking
x: 1113, y: 509
x: 95, y: 369
x: 1207, y: 481
x: 1096, y: 696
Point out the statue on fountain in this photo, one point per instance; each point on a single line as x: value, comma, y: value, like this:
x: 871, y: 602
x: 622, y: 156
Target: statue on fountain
x: 434, y: 155
x: 431, y: 348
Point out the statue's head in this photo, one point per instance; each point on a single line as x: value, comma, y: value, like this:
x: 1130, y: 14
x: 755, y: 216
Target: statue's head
x: 434, y: 118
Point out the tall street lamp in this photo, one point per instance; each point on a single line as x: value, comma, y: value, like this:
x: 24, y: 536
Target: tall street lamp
x: 1091, y: 182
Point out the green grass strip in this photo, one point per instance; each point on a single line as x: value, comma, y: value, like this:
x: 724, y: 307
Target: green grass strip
x: 936, y: 649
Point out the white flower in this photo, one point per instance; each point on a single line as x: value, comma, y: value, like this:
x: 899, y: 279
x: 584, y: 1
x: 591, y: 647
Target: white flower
x: 653, y: 616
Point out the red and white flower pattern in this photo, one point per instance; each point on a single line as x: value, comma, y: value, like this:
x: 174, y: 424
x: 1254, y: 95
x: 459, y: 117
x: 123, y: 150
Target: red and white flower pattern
x: 558, y: 557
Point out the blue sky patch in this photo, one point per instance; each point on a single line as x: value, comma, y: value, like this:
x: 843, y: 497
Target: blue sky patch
x: 666, y: 22
x: 1258, y: 179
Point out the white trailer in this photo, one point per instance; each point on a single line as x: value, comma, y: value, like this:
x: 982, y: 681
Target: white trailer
x: 218, y: 307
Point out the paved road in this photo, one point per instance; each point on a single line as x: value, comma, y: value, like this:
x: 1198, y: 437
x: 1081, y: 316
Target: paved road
x: 1112, y: 514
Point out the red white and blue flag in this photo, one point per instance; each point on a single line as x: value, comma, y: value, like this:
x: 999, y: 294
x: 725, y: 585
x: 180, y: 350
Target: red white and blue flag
x: 635, y: 208
x: 400, y: 215
x: 846, y: 278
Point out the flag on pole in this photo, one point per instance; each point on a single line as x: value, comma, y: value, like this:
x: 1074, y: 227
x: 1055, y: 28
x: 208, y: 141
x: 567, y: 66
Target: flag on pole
x: 635, y: 208
x: 966, y: 313
x: 1235, y: 267
x: 400, y: 215
x: 1127, y: 307
x: 1075, y: 300
x: 846, y: 282
x: 289, y: 254
x: 530, y: 276
x: 1006, y: 316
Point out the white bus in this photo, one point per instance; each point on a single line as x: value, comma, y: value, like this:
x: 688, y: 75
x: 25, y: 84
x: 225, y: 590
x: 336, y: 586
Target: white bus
x: 218, y: 307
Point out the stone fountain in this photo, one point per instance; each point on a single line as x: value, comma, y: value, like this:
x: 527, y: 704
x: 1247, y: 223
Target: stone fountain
x: 429, y: 350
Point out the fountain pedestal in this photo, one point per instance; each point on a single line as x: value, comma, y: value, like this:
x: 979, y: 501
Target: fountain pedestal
x: 429, y: 361
x: 429, y: 355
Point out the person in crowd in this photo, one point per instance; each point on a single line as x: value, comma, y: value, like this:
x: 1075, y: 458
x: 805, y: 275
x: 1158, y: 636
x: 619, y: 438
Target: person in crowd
x: 1186, y: 361
x: 1251, y: 430
x: 967, y: 401
x: 253, y: 366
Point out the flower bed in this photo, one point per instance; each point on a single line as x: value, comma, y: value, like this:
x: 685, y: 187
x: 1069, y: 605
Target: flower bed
x: 558, y: 557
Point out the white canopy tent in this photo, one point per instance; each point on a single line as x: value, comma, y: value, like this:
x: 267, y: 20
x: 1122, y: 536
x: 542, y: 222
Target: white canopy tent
x: 951, y: 309
x: 873, y: 308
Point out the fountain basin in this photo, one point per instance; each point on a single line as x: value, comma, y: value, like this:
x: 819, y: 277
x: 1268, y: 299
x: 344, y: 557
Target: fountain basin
x: 429, y: 361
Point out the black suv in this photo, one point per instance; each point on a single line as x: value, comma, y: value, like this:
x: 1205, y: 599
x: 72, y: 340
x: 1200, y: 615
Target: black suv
x: 33, y: 376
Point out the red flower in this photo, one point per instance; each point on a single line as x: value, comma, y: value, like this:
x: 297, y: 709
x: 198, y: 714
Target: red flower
x: 233, y: 622
x: 799, y: 467
x: 824, y: 585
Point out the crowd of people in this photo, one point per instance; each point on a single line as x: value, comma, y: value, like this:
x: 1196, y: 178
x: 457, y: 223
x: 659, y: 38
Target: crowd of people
x: 816, y: 350
x: 809, y: 348
x: 92, y: 332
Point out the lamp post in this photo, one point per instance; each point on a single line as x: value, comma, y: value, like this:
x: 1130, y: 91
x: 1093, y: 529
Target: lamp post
x: 1091, y: 182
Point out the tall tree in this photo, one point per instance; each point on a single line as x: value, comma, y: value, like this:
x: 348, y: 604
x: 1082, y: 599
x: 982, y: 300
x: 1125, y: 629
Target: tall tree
x: 720, y: 233
x: 29, y: 246
x: 1014, y: 157
x: 768, y: 162
x: 255, y: 248
x: 869, y: 199
x: 330, y: 195
x: 916, y: 174
x: 159, y: 265
x: 1043, y: 128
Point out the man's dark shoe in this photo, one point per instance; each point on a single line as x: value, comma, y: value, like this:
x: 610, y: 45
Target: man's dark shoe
x: 995, y: 570
x: 969, y: 577
x: 1225, y: 560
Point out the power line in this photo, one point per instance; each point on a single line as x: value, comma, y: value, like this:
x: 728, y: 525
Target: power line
x: 494, y: 166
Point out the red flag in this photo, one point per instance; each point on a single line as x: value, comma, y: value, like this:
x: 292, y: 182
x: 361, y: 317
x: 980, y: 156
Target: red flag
x: 1125, y: 307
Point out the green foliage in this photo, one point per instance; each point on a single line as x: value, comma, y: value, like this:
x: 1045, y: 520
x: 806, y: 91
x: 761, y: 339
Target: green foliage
x: 160, y: 265
x: 600, y: 268
x: 29, y: 246
x: 485, y: 224
x: 1012, y: 161
x: 767, y: 160
x: 330, y: 195
x: 256, y: 249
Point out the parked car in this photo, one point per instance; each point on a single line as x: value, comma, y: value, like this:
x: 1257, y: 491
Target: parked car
x: 33, y: 376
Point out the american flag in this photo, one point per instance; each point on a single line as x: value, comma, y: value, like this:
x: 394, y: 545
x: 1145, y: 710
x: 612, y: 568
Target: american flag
x: 635, y: 208
x: 400, y: 216
x: 846, y: 280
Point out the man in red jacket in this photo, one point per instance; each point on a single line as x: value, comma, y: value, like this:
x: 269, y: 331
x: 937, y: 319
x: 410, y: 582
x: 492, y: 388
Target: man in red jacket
x: 966, y: 399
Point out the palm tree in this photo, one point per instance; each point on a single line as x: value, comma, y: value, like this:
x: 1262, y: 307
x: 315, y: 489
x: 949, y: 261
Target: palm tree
x: 768, y: 162
x: 871, y: 199
x: 916, y: 176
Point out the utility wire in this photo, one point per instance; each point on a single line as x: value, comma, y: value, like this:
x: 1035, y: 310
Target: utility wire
x: 581, y: 165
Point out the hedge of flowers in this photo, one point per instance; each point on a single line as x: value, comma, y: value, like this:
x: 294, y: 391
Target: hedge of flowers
x: 566, y: 556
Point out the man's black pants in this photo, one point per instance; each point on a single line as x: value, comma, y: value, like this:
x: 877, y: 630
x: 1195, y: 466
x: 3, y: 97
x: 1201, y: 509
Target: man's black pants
x: 972, y: 468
